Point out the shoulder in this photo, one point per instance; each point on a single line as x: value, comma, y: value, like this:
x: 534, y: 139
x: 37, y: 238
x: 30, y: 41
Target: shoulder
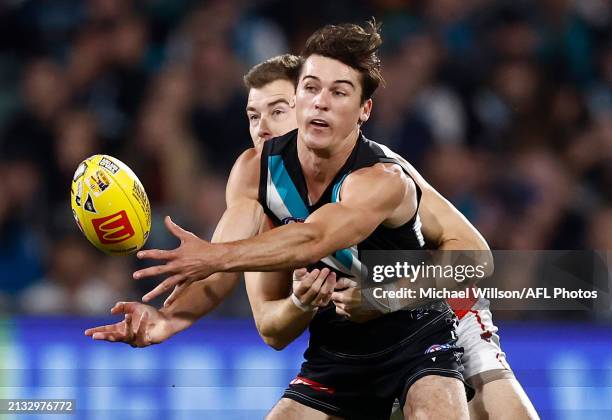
x: 382, y: 180
x: 384, y: 188
x: 244, y: 177
x: 248, y: 158
x: 380, y: 174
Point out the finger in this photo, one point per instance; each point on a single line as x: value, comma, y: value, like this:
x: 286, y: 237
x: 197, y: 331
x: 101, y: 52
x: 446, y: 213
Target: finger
x: 117, y: 308
x: 128, y: 326
x: 309, y: 277
x: 156, y: 254
x: 342, y: 312
x: 340, y: 305
x: 304, y: 285
x: 299, y: 274
x: 328, y: 287
x: 340, y: 297
x: 313, y: 291
x: 322, y: 301
x: 114, y: 330
x: 175, y: 294
x: 344, y: 283
x: 177, y: 289
x: 142, y: 327
x: 102, y: 328
x: 175, y: 229
x: 102, y: 336
x: 324, y: 295
x: 162, y: 288
x: 156, y: 270
x: 113, y: 337
x: 124, y: 308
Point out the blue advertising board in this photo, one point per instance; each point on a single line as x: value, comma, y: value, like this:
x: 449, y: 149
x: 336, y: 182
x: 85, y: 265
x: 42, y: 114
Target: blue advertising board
x: 222, y: 369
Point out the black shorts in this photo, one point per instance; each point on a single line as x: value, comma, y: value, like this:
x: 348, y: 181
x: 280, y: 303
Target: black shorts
x: 363, y: 385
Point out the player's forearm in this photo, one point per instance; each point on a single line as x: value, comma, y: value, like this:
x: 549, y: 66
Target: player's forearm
x: 472, y: 250
x: 280, y: 322
x: 285, y: 248
x: 199, y: 299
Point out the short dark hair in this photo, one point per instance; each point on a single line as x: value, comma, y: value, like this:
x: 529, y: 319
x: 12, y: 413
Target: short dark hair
x: 354, y: 46
x: 280, y: 67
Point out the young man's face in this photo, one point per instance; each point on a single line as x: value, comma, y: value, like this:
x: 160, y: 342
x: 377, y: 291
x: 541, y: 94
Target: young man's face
x: 328, y: 102
x: 271, y: 110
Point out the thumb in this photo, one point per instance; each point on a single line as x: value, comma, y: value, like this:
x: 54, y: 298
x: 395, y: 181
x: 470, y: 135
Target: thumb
x: 345, y: 283
x: 124, y: 308
x: 175, y: 229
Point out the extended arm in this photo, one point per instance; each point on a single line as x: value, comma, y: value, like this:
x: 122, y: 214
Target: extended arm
x: 143, y: 324
x: 370, y: 197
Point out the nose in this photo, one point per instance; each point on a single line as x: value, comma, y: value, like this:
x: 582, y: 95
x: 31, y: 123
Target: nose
x: 322, y: 100
x: 263, y: 131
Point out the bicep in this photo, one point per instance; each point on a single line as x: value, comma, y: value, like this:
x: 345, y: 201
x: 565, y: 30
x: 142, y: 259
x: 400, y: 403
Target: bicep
x: 370, y: 199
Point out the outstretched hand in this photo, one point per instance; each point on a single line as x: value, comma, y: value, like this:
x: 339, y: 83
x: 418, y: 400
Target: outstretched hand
x: 190, y: 262
x: 142, y: 326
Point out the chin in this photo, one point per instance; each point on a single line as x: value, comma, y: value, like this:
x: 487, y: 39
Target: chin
x: 317, y: 141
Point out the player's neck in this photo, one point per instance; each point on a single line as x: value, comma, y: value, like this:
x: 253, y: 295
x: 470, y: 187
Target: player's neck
x: 323, y: 164
x: 320, y: 166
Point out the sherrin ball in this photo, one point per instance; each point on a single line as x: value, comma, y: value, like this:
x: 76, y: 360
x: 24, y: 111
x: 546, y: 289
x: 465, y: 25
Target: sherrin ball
x: 110, y: 205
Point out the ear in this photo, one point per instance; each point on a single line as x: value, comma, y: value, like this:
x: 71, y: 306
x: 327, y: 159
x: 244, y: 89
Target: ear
x: 366, y: 109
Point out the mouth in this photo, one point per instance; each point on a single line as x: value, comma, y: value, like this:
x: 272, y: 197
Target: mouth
x: 319, y: 123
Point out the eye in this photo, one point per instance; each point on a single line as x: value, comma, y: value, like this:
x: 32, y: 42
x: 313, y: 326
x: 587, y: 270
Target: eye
x: 278, y: 112
x: 339, y: 93
x: 309, y: 88
x: 253, y: 117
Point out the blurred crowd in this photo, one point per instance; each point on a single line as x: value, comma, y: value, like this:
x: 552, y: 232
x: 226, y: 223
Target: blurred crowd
x: 504, y: 106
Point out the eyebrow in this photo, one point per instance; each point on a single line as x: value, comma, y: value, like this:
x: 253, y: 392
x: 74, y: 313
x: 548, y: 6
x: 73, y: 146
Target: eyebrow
x: 278, y: 101
x: 348, y: 82
x: 270, y: 105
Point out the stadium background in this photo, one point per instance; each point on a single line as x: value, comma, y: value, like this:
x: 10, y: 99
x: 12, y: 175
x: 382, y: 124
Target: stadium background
x: 505, y: 106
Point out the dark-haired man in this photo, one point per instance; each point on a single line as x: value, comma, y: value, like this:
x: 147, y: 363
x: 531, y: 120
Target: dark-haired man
x: 350, y: 193
x: 270, y: 112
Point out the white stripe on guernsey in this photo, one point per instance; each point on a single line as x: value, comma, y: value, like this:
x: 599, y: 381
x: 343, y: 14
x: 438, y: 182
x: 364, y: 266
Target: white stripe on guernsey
x: 355, y: 269
x: 275, y: 202
x: 334, y: 263
x: 417, y: 229
x: 391, y: 154
x: 406, y: 166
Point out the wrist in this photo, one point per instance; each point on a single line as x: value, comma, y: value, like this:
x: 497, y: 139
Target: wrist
x: 172, y: 323
x: 304, y: 307
x: 224, y: 257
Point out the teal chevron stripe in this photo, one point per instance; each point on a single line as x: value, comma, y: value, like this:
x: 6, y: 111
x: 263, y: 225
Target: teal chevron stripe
x: 345, y: 257
x: 336, y: 189
x: 286, y: 189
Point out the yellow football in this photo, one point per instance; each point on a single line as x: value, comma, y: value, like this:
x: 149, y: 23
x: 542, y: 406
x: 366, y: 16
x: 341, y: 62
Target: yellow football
x: 110, y: 205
